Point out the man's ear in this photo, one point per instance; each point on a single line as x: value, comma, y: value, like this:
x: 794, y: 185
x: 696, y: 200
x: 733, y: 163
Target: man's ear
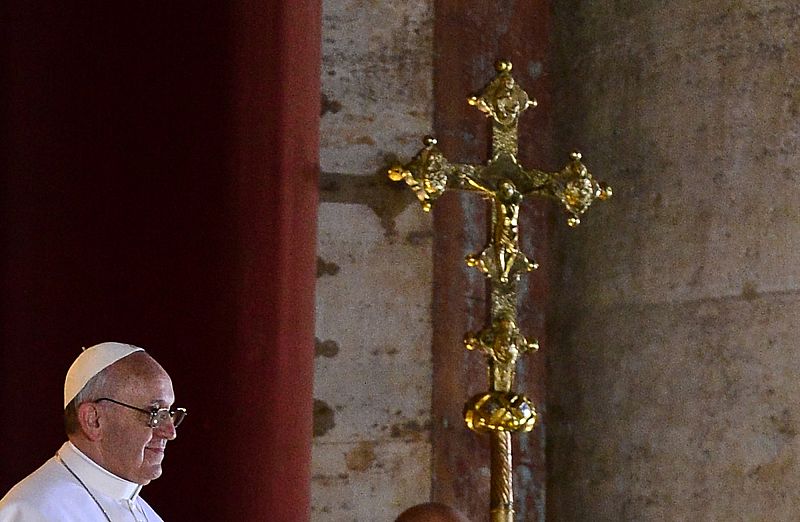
x: 90, y: 421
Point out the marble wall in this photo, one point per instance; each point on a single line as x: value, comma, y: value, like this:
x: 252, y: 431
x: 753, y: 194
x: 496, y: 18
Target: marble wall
x: 371, y: 453
x: 674, y: 393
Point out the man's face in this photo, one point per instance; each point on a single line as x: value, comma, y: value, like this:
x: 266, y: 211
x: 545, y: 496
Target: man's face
x: 130, y: 448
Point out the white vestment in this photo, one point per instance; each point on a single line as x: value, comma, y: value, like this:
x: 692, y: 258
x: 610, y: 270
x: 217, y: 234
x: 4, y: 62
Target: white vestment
x: 53, y: 494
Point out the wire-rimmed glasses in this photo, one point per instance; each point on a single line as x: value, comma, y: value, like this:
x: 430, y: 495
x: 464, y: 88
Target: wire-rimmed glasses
x: 158, y: 416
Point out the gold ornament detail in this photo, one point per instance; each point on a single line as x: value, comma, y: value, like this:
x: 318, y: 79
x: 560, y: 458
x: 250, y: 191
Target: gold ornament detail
x: 504, y: 183
x: 502, y: 343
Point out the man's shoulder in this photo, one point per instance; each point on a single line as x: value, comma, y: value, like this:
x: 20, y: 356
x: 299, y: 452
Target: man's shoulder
x: 49, y: 475
x: 40, y: 493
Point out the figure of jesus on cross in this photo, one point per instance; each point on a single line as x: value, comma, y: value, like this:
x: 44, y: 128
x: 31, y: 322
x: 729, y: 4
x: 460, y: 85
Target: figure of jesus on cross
x: 504, y: 183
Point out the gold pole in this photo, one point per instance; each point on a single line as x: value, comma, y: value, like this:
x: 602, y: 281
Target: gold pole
x: 502, y: 488
x: 504, y: 183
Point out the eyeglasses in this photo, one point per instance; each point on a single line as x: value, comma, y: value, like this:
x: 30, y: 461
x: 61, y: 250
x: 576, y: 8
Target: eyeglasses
x: 158, y: 416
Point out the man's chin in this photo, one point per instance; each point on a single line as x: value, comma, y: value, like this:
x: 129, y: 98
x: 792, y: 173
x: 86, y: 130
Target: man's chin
x: 149, y: 474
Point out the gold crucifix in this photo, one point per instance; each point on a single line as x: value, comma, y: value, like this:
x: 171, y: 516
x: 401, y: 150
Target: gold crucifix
x: 504, y: 183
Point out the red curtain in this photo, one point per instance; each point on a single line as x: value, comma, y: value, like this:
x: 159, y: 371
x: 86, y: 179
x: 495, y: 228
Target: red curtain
x: 159, y: 187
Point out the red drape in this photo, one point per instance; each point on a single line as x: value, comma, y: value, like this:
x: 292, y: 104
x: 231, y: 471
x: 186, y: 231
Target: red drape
x: 159, y: 187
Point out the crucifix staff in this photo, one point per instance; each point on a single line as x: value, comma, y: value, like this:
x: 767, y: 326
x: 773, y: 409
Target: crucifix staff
x: 504, y: 183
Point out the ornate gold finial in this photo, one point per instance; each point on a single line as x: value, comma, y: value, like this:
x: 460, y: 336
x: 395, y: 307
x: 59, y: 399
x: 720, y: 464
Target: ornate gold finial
x: 425, y: 174
x: 503, y: 99
x: 503, y: 66
x: 505, y: 183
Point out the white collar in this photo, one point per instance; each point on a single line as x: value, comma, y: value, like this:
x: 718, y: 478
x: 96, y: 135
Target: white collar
x: 96, y: 477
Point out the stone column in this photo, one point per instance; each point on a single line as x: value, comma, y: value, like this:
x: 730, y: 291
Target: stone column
x: 674, y: 391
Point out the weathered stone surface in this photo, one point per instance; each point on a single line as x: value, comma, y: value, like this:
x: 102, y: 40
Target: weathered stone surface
x: 367, y: 481
x: 378, y: 382
x: 376, y: 74
x: 693, y: 114
x: 673, y: 391
x: 681, y: 411
x: 374, y: 289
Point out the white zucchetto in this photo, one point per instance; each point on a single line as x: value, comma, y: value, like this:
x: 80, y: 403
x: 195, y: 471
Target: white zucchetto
x: 91, y: 362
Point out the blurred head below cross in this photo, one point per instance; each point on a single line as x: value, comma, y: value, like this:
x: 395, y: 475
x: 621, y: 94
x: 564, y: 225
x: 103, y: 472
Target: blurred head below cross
x: 431, y: 512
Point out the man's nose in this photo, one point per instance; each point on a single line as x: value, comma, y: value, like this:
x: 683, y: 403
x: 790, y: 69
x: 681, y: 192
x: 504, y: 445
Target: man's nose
x: 166, y: 430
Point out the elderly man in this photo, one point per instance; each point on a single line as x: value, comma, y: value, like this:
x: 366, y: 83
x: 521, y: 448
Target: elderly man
x: 118, y: 416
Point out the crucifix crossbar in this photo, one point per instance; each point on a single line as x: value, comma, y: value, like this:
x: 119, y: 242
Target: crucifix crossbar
x: 502, y: 179
x: 504, y: 183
